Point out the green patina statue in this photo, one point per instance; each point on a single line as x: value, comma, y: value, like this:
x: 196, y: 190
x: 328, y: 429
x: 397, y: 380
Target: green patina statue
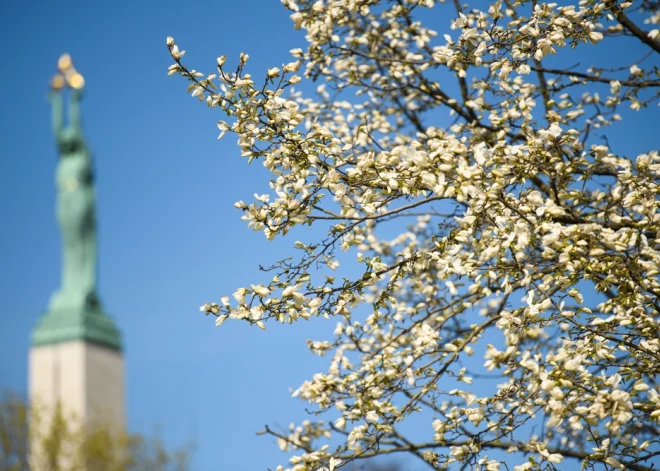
x: 75, y: 209
x: 74, y: 311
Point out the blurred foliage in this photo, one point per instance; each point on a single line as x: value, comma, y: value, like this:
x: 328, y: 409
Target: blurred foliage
x: 13, y: 434
x: 62, y: 443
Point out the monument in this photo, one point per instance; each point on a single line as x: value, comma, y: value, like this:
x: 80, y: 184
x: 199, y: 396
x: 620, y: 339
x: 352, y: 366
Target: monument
x: 76, y: 358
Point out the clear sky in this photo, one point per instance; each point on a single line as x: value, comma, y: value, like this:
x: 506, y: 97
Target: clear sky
x: 170, y: 238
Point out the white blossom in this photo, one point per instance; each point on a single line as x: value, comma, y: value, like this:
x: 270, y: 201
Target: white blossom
x: 502, y: 282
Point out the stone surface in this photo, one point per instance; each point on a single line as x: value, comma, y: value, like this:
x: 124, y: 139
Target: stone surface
x: 87, y: 379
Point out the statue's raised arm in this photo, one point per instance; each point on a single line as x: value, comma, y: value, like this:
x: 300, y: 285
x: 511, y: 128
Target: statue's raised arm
x: 74, y: 110
x: 57, y: 104
x: 76, y: 82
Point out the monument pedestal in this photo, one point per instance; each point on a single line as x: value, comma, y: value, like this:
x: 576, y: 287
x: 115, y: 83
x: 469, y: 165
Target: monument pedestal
x: 76, y: 359
x: 76, y: 364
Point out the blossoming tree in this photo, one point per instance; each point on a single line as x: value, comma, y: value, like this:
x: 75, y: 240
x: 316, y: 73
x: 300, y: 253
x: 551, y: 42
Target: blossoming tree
x: 505, y: 313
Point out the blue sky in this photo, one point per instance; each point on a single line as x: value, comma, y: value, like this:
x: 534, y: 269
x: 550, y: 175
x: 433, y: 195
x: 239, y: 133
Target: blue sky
x: 170, y: 238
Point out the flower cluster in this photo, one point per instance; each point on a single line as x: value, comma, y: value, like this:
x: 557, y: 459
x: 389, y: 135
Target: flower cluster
x: 517, y: 306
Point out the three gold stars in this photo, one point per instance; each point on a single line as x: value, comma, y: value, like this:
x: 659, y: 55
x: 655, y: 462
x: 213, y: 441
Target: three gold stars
x: 67, y: 75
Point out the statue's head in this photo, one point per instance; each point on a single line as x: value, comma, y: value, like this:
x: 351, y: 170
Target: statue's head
x: 70, y: 141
